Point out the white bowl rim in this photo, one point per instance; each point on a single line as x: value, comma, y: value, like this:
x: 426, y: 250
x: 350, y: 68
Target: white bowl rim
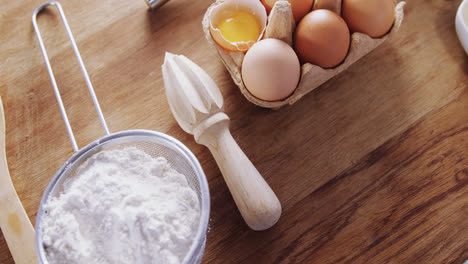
x: 461, y: 25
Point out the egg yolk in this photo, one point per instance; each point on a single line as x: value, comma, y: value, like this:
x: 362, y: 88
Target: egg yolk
x: 240, y: 27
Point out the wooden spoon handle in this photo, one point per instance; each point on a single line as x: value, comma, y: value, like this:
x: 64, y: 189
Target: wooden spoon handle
x: 256, y: 201
x: 14, y: 222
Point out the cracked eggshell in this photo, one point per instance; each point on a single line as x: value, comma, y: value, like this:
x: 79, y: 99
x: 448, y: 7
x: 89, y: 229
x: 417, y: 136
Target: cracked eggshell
x: 227, y: 7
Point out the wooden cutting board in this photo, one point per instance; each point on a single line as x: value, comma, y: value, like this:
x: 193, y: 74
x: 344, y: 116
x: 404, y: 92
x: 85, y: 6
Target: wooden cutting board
x: 372, y: 167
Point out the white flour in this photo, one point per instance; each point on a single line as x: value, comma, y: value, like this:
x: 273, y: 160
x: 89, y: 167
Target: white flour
x: 122, y: 207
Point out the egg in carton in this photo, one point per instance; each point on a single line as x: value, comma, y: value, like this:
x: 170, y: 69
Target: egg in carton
x: 281, y: 25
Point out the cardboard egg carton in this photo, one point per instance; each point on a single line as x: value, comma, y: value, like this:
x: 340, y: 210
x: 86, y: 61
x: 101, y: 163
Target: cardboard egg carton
x: 281, y: 26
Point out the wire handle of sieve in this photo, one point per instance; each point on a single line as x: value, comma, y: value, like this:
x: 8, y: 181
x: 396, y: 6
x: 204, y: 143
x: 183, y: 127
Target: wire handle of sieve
x: 51, y: 74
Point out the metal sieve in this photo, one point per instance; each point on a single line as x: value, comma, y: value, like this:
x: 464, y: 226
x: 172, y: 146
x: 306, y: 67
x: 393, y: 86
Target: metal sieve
x: 153, y: 143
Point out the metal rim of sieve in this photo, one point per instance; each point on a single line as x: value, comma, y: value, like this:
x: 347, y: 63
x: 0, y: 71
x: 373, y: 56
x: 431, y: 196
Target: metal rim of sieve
x: 118, y: 138
x: 113, y: 140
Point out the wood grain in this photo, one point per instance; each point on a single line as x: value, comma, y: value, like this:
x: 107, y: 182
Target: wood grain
x: 371, y: 167
x: 14, y: 221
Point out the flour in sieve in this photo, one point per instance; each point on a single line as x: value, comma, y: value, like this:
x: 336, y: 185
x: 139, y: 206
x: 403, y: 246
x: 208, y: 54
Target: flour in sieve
x: 123, y: 206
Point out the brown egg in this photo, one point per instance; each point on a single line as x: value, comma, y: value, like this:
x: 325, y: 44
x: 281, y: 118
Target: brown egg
x: 299, y: 7
x: 271, y: 70
x: 332, y: 5
x: 322, y: 38
x: 371, y: 17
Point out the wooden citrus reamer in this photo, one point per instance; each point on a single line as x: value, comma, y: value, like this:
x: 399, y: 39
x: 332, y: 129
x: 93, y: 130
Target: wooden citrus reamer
x: 197, y: 105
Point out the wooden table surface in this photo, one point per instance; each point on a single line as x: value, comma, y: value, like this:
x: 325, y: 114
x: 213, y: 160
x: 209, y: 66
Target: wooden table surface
x: 371, y: 167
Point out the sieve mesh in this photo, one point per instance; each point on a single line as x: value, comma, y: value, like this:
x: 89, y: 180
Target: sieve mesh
x: 154, y: 144
x: 175, y: 159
